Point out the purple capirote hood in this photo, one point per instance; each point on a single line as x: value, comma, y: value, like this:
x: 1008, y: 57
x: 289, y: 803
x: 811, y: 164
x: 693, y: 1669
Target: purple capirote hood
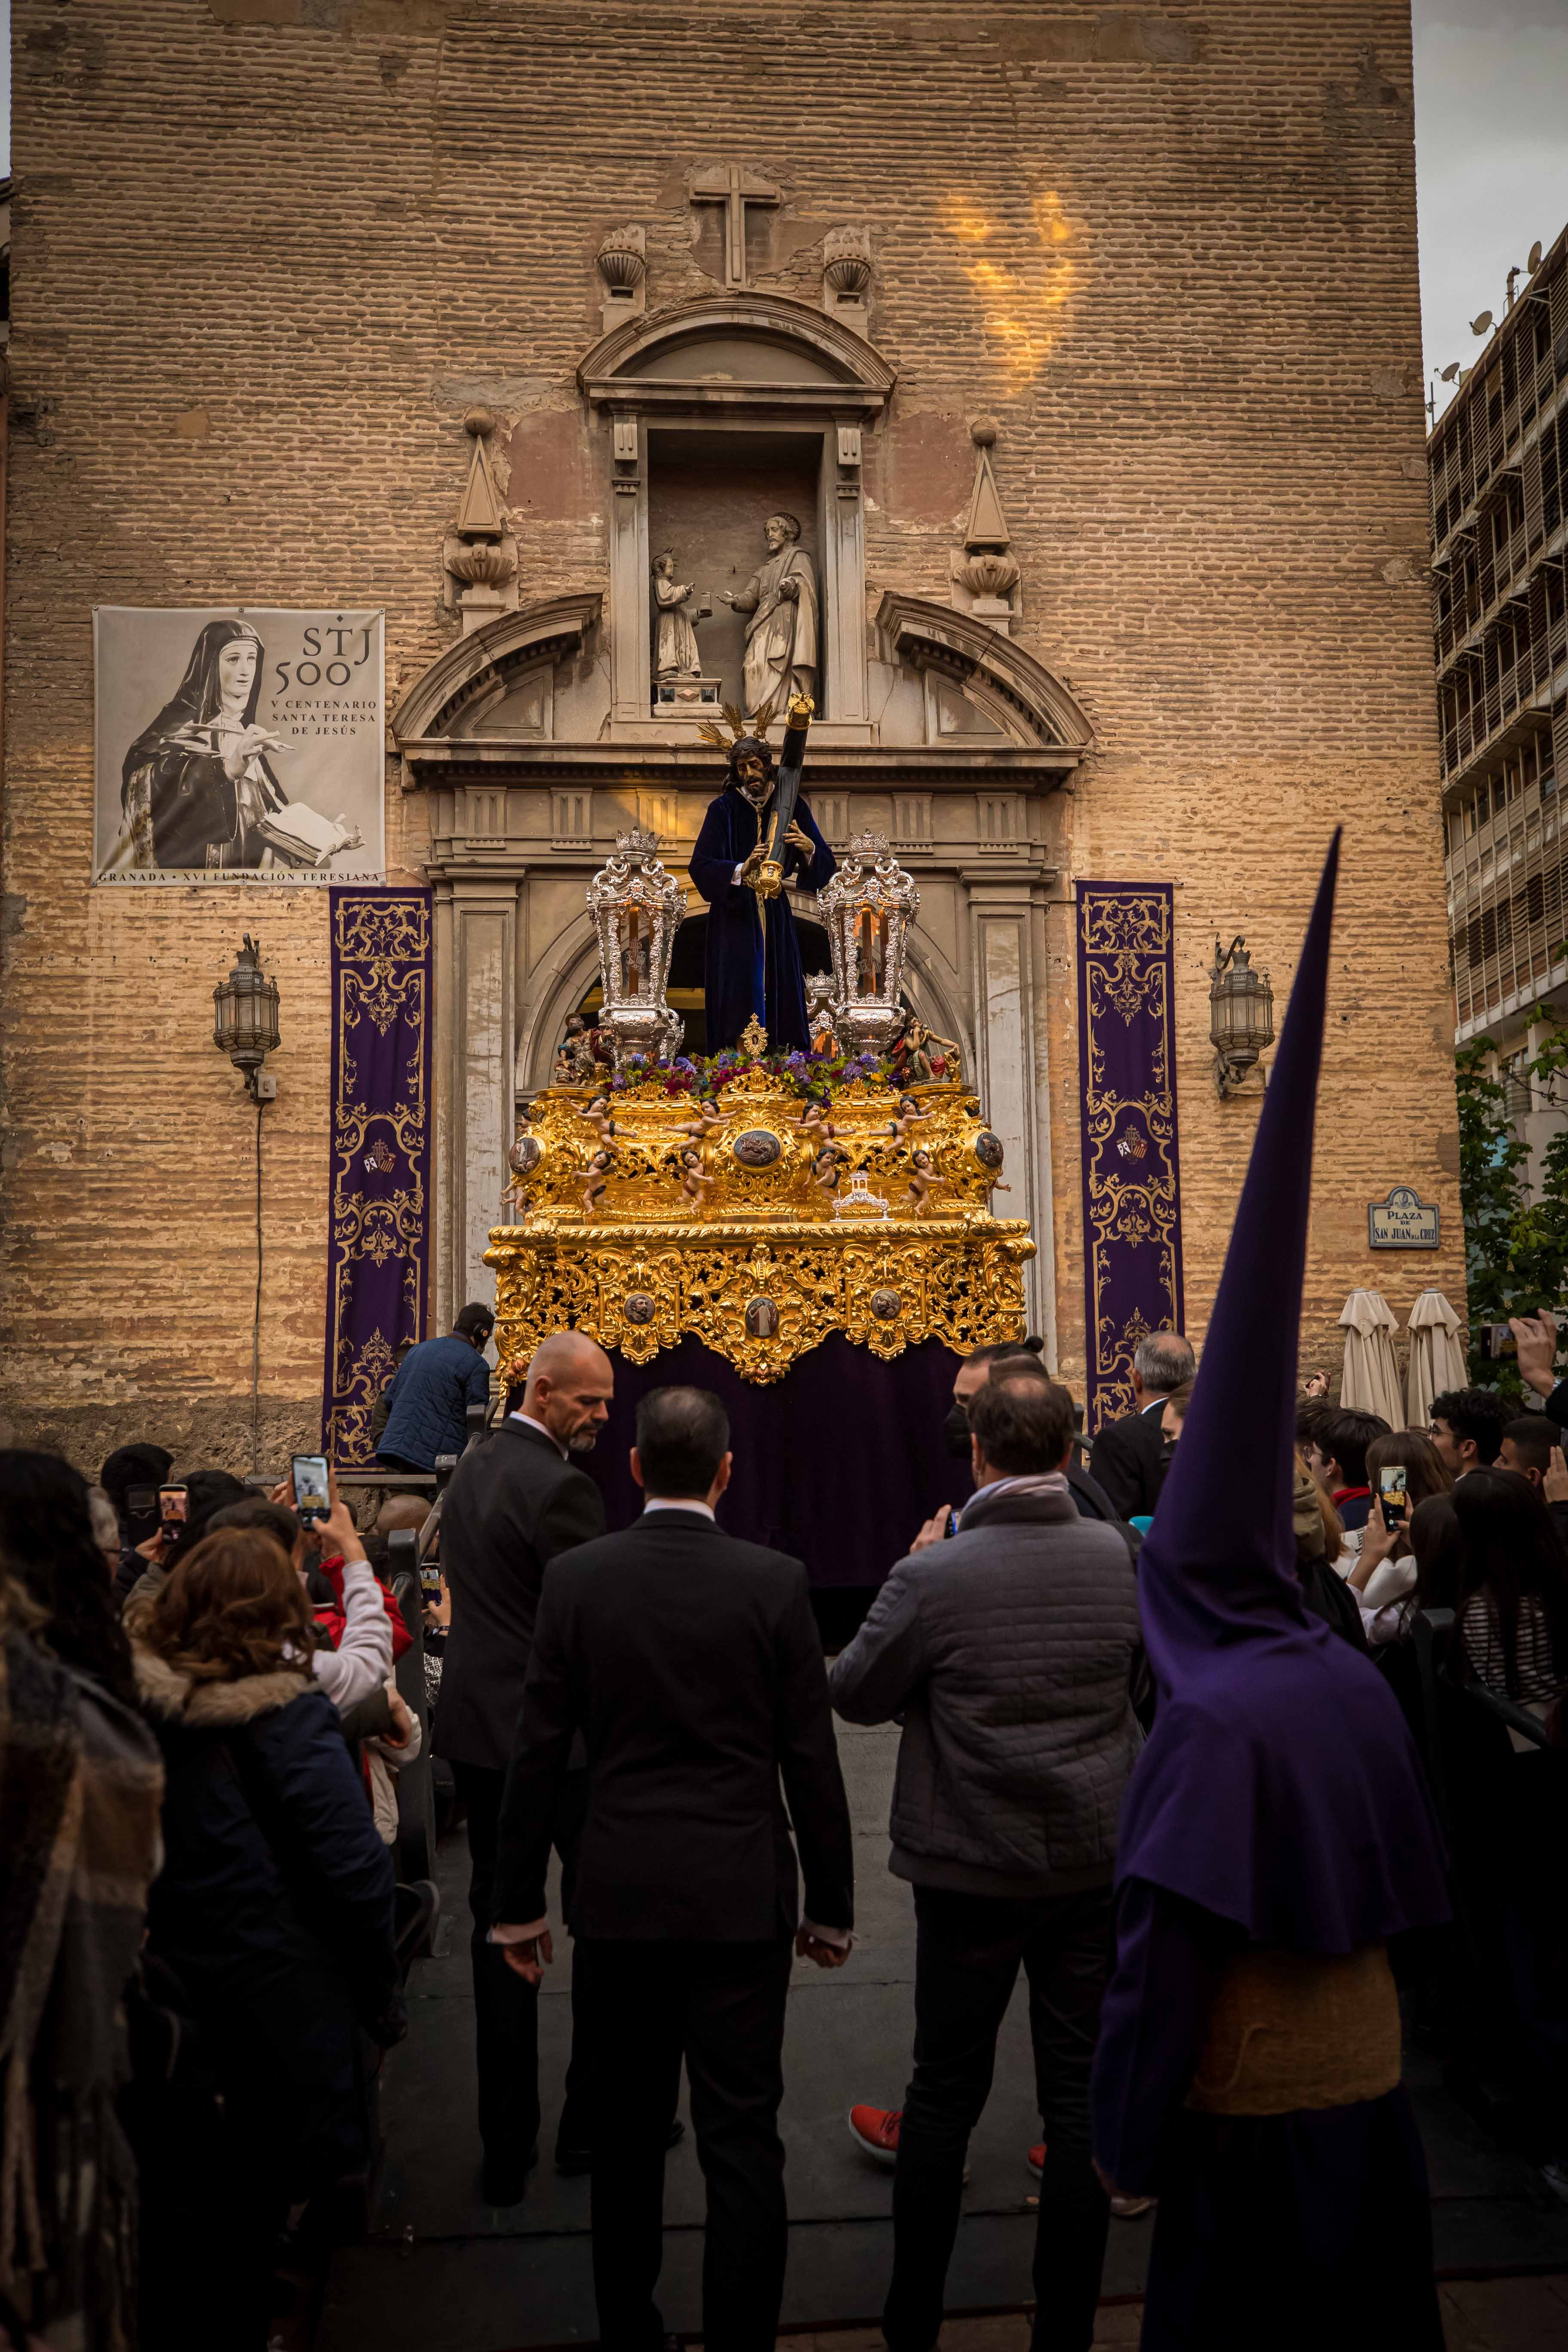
x: 1279, y: 1787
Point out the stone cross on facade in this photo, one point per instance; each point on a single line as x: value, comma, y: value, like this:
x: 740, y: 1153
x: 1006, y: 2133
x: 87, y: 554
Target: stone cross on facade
x: 733, y: 187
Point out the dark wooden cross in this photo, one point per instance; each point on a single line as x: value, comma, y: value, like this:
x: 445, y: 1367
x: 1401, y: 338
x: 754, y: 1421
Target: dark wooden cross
x: 733, y: 187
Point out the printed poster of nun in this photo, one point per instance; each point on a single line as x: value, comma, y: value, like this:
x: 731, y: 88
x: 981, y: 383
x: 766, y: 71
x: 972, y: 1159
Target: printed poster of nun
x: 239, y: 745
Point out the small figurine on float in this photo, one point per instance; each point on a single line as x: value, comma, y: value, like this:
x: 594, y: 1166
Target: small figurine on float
x: 693, y: 1182
x: 910, y: 1114
x: 911, y: 1056
x: 576, y: 1056
x: 598, y: 1118
x: 923, y: 1182
x: 598, y: 1172
x: 828, y: 1166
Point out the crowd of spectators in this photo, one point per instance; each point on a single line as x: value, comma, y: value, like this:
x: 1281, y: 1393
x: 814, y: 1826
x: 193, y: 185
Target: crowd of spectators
x: 201, y: 1938
x: 201, y: 1714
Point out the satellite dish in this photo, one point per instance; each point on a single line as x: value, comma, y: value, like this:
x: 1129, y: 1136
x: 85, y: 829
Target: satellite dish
x: 1479, y: 326
x: 1449, y: 372
x: 1534, y: 262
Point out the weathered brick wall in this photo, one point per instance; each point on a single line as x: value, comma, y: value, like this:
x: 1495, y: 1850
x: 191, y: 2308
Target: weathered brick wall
x: 266, y: 253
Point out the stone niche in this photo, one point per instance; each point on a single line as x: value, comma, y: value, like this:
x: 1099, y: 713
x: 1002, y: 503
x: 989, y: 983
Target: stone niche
x: 711, y: 417
x: 708, y: 495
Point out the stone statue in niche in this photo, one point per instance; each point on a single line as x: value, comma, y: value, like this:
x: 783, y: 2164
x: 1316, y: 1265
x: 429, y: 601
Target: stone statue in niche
x: 782, y: 635
x: 675, y: 653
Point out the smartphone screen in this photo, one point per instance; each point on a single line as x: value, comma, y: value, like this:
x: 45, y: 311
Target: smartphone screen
x: 311, y: 1497
x: 141, y: 1513
x: 1394, y: 1492
x: 173, y: 1510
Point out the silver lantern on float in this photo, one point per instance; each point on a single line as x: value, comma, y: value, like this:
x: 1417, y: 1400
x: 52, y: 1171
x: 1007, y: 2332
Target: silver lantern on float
x: 637, y: 910
x: 867, y: 908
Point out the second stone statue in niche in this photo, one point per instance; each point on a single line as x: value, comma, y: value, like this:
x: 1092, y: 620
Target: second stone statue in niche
x: 782, y: 632
x: 675, y: 653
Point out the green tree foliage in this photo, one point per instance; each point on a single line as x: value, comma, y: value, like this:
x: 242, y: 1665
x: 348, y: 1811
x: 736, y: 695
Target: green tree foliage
x: 1516, y: 1250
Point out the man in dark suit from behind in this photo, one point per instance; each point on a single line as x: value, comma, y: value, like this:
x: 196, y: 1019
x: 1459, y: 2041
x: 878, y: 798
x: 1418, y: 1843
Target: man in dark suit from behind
x: 1131, y: 1456
x: 691, y: 1663
x: 512, y: 1504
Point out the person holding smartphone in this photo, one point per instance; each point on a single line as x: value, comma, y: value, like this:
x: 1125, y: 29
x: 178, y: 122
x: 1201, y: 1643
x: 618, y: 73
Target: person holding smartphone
x: 362, y: 1658
x: 1403, y: 1470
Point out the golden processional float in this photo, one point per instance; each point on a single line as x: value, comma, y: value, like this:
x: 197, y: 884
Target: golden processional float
x: 756, y: 1204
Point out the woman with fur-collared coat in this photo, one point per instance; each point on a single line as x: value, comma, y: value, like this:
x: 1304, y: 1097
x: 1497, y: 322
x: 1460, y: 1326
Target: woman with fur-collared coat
x: 274, y: 1911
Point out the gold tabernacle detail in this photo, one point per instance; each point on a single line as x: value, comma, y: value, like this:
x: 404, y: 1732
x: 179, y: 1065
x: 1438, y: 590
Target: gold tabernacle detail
x: 648, y: 1216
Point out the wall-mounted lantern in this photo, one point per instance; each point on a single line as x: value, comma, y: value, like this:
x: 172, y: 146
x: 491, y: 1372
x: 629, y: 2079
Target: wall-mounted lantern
x: 245, y: 1023
x: 1241, y: 1014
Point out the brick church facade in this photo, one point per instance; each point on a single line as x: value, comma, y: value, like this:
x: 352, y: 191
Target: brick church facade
x: 1081, y: 341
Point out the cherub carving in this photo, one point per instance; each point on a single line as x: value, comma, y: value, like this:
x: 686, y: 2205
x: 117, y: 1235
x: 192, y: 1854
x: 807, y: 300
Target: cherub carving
x: 598, y: 1177
x: 814, y: 1124
x: 923, y: 1182
x: 693, y: 1182
x: 598, y: 1118
x: 707, y: 1117
x: 910, y: 1114
x: 828, y: 1166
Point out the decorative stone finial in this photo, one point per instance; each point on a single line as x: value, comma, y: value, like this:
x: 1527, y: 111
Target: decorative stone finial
x: 480, y: 554
x: 845, y: 275
x: 985, y: 574
x: 622, y: 263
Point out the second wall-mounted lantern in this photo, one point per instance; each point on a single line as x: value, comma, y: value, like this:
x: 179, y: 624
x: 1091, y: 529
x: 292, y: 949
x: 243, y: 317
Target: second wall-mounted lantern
x: 1241, y: 1014
x: 245, y: 1023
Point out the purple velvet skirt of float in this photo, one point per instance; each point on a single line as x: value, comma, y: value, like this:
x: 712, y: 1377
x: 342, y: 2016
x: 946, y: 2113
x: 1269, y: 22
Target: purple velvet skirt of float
x: 837, y: 1463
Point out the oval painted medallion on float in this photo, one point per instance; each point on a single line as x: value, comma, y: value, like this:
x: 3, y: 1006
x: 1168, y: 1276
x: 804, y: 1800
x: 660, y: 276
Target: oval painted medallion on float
x: 525, y: 1155
x: 638, y: 1307
x: 988, y: 1149
x: 884, y: 1305
x: 757, y: 1148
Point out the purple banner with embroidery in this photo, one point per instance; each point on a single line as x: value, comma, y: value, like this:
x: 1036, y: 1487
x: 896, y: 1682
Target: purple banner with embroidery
x: 379, y: 1252
x: 1132, y: 1181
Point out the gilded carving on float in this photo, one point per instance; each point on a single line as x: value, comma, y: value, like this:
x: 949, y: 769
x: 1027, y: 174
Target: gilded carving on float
x: 759, y: 1265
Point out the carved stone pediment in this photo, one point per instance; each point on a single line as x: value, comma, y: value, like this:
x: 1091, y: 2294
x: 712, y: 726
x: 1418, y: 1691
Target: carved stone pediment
x: 709, y: 353
x: 490, y: 662
x: 1028, y: 702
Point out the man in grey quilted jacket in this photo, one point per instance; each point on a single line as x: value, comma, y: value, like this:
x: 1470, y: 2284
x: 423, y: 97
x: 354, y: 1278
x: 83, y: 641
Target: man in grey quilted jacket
x: 1011, y: 1652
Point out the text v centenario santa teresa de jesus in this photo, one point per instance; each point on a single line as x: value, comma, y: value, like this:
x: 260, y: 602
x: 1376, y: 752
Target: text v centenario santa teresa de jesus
x: 972, y: 386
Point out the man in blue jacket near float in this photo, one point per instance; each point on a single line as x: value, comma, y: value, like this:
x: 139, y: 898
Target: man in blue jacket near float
x: 431, y: 1393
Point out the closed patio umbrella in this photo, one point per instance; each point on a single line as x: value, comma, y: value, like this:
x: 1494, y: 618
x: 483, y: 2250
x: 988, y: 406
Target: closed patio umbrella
x: 1371, y: 1379
x: 1437, y: 1357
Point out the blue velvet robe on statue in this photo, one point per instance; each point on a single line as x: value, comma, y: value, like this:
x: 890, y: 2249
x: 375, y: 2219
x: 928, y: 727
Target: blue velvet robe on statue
x: 734, y: 972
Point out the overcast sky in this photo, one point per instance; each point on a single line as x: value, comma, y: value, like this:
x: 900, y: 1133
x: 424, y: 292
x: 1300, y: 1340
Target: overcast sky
x: 1491, y: 156
x: 1491, y: 152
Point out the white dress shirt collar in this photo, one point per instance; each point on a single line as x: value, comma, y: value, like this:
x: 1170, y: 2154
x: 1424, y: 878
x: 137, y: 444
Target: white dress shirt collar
x: 658, y: 1503
x: 529, y: 1422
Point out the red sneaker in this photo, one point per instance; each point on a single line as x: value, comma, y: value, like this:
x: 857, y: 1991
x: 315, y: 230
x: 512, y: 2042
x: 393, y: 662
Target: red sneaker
x: 875, y: 2129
